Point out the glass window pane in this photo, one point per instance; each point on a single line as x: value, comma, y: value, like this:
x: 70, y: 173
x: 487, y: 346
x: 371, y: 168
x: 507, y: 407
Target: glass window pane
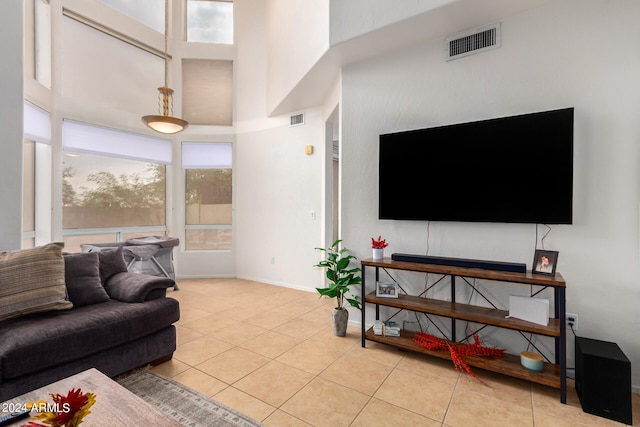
x: 208, y: 203
x: 208, y: 196
x: 100, y: 191
x: 207, y: 239
x: 28, y: 243
x: 29, y: 186
x: 42, y: 36
x: 148, y: 12
x: 210, y: 21
x: 72, y: 243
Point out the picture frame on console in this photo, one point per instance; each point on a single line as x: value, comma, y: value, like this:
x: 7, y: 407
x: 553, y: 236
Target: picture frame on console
x: 544, y: 262
x: 386, y: 290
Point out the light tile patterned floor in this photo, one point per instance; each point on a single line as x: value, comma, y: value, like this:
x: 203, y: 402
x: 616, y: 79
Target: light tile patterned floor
x: 269, y: 352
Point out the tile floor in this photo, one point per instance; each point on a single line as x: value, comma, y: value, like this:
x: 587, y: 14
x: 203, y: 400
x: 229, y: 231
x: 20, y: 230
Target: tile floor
x: 270, y: 353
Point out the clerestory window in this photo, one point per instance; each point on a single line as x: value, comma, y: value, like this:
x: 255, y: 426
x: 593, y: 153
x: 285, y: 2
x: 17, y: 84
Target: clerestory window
x: 210, y: 21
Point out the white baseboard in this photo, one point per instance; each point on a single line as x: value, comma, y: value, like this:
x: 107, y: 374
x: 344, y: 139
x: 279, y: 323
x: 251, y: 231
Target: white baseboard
x: 272, y: 282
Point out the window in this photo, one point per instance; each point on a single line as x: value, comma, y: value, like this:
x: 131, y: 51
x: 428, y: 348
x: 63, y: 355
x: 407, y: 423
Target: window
x: 42, y: 38
x: 28, y: 194
x: 37, y: 137
x: 210, y: 21
x: 103, y: 191
x: 113, y: 185
x: 147, y: 12
x: 208, y: 195
x: 207, y: 92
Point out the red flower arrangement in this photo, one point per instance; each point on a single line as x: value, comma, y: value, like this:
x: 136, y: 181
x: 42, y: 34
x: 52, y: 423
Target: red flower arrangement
x: 457, y: 350
x: 69, y: 411
x: 379, y: 244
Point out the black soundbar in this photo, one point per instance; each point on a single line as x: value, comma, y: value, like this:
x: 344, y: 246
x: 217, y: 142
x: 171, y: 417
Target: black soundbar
x: 512, y: 267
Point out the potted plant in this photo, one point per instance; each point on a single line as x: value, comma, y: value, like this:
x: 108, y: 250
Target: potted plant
x: 340, y: 276
x: 378, y: 247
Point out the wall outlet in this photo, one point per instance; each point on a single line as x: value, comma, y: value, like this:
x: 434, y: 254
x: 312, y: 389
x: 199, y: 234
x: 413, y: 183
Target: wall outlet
x: 572, y: 322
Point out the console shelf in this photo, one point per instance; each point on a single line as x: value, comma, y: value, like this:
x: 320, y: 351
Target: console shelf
x: 553, y: 374
x: 507, y: 364
x: 471, y: 313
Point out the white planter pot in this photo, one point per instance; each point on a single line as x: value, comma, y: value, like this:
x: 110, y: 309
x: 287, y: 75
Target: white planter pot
x: 378, y: 253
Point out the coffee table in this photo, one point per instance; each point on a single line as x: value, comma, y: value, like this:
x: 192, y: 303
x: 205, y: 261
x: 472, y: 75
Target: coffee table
x: 114, y: 406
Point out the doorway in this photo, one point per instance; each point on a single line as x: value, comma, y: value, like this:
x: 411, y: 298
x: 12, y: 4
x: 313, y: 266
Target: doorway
x: 332, y: 184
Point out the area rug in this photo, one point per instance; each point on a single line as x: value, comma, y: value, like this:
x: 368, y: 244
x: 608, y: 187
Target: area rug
x: 186, y: 406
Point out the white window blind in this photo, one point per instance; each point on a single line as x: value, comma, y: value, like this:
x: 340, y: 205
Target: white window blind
x: 206, y: 155
x: 37, y: 124
x: 86, y: 138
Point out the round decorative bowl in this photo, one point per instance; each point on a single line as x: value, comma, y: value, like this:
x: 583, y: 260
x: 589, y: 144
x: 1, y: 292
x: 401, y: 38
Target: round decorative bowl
x: 532, y: 361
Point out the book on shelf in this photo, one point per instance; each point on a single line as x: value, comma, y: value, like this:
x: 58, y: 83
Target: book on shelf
x: 388, y: 328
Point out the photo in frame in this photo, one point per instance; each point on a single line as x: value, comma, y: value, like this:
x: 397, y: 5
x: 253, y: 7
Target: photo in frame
x: 386, y: 290
x: 545, y: 262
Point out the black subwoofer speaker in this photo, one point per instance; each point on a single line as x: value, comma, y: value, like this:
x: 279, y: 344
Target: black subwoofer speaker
x: 603, y: 379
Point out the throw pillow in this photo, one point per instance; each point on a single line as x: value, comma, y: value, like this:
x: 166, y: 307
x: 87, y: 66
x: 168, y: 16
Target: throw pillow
x: 111, y: 261
x: 32, y: 280
x: 82, y: 275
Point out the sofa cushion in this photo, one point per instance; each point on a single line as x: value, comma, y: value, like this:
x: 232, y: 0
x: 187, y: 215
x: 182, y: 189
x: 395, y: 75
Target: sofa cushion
x: 82, y: 276
x: 32, y: 280
x: 40, y: 341
x: 111, y: 262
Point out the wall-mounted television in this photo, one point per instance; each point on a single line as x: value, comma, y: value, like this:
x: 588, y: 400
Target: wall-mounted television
x: 516, y: 169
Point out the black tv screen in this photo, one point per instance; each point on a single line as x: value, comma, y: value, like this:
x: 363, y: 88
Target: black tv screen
x: 516, y: 169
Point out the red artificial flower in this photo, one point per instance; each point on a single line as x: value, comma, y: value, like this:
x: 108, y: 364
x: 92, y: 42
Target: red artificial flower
x: 457, y: 350
x: 71, y: 410
x: 379, y: 244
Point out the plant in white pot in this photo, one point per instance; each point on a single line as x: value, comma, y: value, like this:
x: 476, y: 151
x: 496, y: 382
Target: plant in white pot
x: 378, y: 247
x: 340, y: 276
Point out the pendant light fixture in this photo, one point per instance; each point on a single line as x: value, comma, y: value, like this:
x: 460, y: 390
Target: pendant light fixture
x: 165, y: 123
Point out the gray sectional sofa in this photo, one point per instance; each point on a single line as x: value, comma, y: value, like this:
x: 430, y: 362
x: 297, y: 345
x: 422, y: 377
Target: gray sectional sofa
x: 95, y: 315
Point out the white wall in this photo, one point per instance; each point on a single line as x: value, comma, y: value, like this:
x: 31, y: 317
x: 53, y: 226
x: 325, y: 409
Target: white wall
x: 298, y: 36
x: 11, y: 103
x: 353, y: 18
x: 568, y: 53
x: 278, y: 187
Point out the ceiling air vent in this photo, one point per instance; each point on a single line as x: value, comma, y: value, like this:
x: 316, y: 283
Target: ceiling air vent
x: 296, y: 119
x: 473, y: 41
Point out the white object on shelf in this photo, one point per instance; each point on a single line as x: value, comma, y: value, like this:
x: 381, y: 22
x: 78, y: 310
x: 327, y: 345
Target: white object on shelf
x: 534, y: 310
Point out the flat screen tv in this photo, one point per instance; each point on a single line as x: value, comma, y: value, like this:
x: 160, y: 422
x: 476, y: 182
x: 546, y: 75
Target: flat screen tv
x: 516, y: 169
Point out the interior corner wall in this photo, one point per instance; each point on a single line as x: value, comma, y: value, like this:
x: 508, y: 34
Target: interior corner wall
x: 11, y: 118
x: 277, y: 186
x: 278, y: 202
x: 353, y: 18
x: 297, y: 37
x: 551, y: 57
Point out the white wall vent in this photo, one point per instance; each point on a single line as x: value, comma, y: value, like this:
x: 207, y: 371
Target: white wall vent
x: 473, y: 41
x: 296, y: 119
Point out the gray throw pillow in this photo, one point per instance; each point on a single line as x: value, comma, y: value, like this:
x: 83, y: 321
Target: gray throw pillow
x: 82, y: 276
x: 111, y: 262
